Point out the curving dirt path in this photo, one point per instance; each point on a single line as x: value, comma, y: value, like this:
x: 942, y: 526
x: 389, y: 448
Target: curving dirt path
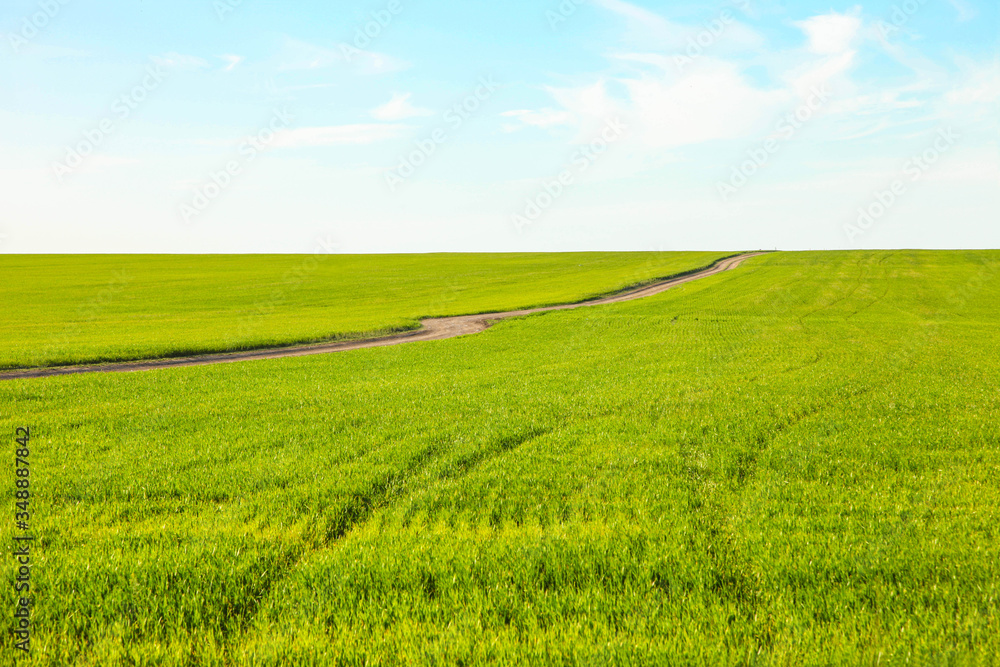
x: 432, y: 329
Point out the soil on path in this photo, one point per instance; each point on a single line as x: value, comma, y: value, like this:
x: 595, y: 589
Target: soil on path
x: 433, y: 329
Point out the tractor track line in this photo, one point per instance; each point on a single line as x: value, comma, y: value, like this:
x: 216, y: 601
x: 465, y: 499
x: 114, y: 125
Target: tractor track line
x: 438, y: 328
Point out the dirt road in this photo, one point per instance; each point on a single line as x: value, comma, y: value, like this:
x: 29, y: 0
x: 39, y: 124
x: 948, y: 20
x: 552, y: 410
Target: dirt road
x: 432, y: 329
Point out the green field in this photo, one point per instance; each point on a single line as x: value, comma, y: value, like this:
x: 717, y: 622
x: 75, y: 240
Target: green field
x: 793, y: 463
x: 92, y: 308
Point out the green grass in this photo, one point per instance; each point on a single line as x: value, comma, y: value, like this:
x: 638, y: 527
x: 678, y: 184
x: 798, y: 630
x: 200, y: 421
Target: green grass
x: 93, y: 308
x: 793, y: 463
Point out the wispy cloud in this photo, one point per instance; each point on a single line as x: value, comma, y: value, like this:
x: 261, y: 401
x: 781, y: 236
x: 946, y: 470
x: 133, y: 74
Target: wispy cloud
x: 543, y: 118
x: 49, y: 52
x: 966, y: 12
x: 713, y: 101
x: 642, y: 21
x: 180, y: 61
x: 977, y: 94
x: 232, y: 61
x: 399, y: 108
x: 373, y: 62
x: 298, y: 55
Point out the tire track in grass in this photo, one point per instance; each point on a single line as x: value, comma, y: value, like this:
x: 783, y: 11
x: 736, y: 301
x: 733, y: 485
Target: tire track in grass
x: 383, y: 491
x: 362, y: 505
x: 379, y: 493
x: 879, y: 298
x: 733, y: 576
x: 842, y: 297
x: 331, y: 523
x: 467, y: 462
x: 711, y: 498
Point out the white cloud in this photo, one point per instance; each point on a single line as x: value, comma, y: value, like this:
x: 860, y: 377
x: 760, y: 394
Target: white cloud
x: 981, y: 86
x: 105, y: 161
x: 711, y: 103
x: 653, y: 31
x: 339, y: 135
x: 231, y: 62
x: 669, y: 106
x: 589, y: 106
x: 974, y: 98
x: 665, y: 110
x: 101, y: 162
x: 966, y: 12
x: 832, y: 70
x: 884, y: 101
x: 632, y: 12
x: 976, y: 164
x: 741, y: 36
x: 373, y: 62
x: 646, y: 23
x: 831, y: 34
x: 662, y: 62
x: 180, y: 60
x: 299, y: 55
x: 296, y: 55
x: 399, y: 108
x: 47, y: 52
x: 910, y: 58
x: 543, y: 118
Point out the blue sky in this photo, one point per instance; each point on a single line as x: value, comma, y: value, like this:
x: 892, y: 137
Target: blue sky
x: 423, y: 125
